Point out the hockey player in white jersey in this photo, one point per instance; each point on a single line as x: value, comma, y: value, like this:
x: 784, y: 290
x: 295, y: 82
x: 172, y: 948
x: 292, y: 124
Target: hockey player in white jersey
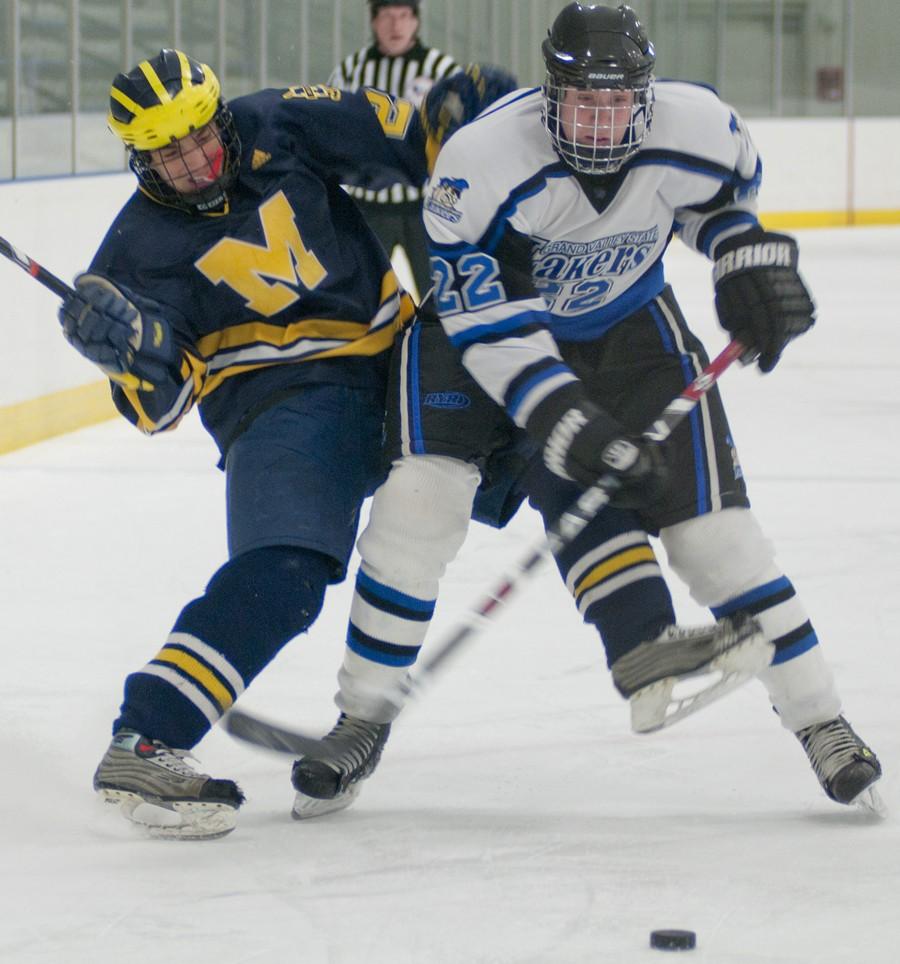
x: 549, y: 217
x: 598, y: 170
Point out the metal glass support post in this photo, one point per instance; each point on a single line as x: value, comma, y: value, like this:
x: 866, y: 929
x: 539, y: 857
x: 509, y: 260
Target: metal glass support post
x: 777, y: 57
x: 514, y: 28
x: 721, y: 28
x: 304, y: 41
x: 15, y: 72
x: 535, y: 65
x: 74, y: 80
x: 221, y: 46
x: 262, y: 54
x: 850, y: 109
x: 337, y: 24
x: 175, y: 26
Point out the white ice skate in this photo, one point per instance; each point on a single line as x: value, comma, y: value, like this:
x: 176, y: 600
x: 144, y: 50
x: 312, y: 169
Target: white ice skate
x: 685, y: 669
x: 156, y: 788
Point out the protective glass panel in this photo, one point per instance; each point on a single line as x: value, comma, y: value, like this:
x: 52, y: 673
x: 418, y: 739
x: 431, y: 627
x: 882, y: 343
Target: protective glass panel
x: 7, y: 88
x: 100, y: 35
x: 876, y: 64
x: 812, y: 58
x: 44, y: 128
x: 685, y: 35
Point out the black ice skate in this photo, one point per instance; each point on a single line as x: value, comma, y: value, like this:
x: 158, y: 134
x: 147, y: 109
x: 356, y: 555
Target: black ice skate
x: 845, y: 766
x: 685, y: 668
x: 331, y: 778
x: 158, y: 789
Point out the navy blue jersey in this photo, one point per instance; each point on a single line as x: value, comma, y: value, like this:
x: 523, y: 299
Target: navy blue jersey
x: 289, y: 273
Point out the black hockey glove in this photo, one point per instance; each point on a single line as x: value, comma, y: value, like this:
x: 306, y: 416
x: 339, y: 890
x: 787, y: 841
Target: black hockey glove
x: 587, y: 443
x: 760, y: 297
x: 132, y: 345
x: 454, y: 101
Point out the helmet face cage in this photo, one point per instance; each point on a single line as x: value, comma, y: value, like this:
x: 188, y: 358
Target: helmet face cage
x: 598, y: 138
x: 598, y: 95
x: 221, y: 152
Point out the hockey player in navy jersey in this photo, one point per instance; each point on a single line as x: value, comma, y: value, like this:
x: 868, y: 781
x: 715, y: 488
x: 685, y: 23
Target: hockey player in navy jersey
x: 241, y: 278
x: 549, y: 216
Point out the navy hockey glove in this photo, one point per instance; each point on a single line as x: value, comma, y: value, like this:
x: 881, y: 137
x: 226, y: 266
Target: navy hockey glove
x: 587, y: 443
x: 133, y: 345
x: 760, y: 297
x: 454, y: 101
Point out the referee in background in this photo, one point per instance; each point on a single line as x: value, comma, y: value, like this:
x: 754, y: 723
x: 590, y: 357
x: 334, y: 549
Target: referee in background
x: 398, y: 63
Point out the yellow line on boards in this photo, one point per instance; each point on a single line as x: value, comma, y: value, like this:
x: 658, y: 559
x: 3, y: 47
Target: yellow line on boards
x: 781, y: 220
x: 25, y: 423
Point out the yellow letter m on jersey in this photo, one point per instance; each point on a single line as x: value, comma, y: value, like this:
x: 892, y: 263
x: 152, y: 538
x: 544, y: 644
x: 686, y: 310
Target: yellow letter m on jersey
x: 246, y: 267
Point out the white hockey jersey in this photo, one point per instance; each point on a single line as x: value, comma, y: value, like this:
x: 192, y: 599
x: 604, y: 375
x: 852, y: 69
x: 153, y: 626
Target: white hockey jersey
x: 525, y: 252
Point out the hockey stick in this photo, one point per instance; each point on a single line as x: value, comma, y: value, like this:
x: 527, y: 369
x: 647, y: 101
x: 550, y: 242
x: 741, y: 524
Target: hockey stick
x: 39, y: 273
x: 60, y: 288
x: 251, y: 729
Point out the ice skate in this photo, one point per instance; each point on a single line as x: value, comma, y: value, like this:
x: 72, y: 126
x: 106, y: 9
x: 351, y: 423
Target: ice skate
x: 156, y: 788
x: 847, y: 769
x: 684, y: 669
x: 331, y: 779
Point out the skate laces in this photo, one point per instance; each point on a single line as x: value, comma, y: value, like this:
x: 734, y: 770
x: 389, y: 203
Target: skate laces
x: 674, y: 633
x: 350, y: 743
x: 831, y: 746
x: 724, y: 632
x: 176, y: 761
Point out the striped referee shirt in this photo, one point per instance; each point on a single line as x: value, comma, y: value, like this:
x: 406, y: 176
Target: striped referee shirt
x: 410, y: 76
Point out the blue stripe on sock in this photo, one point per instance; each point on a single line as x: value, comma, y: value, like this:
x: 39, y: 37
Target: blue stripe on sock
x: 394, y: 596
x: 378, y: 651
x: 796, y: 649
x: 754, y: 595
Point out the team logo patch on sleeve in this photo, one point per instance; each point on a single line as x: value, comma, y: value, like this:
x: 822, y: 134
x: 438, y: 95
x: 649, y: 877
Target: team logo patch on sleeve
x: 445, y: 196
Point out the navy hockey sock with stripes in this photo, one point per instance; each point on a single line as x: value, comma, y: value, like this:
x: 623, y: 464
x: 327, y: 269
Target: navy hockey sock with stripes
x: 253, y: 605
x: 610, y: 568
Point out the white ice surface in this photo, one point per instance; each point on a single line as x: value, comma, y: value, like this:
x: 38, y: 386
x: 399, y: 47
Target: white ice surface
x: 514, y: 817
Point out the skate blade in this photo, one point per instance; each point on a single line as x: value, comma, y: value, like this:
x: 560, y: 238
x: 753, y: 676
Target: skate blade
x: 659, y: 705
x: 871, y: 802
x: 175, y: 820
x: 307, y: 807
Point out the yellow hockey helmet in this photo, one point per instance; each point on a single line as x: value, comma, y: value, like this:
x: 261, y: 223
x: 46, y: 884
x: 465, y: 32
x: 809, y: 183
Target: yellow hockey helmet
x: 162, y: 100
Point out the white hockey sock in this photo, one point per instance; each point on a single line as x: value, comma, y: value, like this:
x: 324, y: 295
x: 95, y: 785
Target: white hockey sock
x: 802, y: 690
x: 728, y: 565
x: 418, y: 522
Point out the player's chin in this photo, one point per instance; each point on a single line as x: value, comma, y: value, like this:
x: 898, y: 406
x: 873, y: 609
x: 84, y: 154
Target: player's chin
x: 196, y: 188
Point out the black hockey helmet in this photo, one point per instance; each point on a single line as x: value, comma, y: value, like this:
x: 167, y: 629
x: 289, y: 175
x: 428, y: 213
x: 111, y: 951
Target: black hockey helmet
x: 162, y: 101
x: 595, y: 47
x: 376, y: 5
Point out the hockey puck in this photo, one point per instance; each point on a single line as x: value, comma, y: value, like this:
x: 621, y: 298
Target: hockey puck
x: 673, y: 940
